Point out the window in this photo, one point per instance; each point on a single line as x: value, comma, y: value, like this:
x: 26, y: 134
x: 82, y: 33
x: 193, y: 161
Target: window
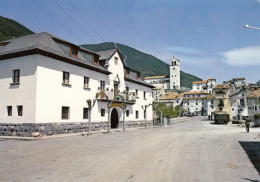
x: 188, y: 103
x: 65, y: 112
x: 103, y: 112
x: 127, y: 113
x: 66, y: 77
x: 136, y: 92
x: 177, y: 101
x: 242, y: 102
x: 86, y: 82
x: 136, y: 114
x: 85, y: 113
x: 220, y: 109
x: 102, y: 85
x: 116, y: 60
x: 196, y: 103
x: 144, y: 95
x: 74, y: 52
x: 233, y: 109
x: 16, y: 76
x: 20, y: 110
x: 9, y: 110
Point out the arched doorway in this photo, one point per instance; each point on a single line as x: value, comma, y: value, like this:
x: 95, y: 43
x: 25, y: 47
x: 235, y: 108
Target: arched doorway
x: 114, y: 118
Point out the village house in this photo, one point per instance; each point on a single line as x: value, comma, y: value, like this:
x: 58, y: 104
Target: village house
x: 171, y: 99
x: 197, y: 102
x: 204, y: 85
x: 253, y: 101
x: 221, y: 103
x: 234, y: 97
x: 46, y: 81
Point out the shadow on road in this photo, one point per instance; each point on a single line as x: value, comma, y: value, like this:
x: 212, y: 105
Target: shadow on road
x: 253, y: 151
x: 250, y: 180
x: 213, y: 122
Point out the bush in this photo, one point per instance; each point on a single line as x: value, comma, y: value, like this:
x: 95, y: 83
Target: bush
x: 257, y: 116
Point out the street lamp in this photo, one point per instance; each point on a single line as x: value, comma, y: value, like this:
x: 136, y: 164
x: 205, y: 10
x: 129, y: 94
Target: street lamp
x: 248, y: 26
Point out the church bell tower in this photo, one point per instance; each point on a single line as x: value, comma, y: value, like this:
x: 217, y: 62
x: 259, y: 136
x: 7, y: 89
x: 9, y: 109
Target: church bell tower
x: 175, y: 76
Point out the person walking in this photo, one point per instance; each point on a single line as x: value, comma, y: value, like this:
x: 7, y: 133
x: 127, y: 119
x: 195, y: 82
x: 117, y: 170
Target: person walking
x: 247, y: 123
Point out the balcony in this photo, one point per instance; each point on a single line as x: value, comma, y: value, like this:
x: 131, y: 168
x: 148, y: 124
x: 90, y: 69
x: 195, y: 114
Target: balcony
x: 117, y: 96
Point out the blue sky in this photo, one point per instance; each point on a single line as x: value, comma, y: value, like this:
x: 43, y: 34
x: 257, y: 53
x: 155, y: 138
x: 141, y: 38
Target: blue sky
x: 207, y: 36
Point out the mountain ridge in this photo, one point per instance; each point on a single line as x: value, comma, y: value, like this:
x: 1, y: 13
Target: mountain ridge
x: 10, y: 29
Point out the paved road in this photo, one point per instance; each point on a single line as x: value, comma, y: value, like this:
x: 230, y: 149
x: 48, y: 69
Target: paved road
x: 195, y: 150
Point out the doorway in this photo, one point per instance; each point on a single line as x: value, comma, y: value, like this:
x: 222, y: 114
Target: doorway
x: 114, y: 119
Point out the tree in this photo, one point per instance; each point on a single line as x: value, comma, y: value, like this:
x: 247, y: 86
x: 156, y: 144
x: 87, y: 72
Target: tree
x: 91, y: 104
x: 167, y: 111
x: 145, y: 108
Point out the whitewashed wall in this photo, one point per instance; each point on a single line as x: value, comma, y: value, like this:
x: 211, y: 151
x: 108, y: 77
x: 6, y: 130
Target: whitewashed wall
x: 52, y: 95
x: 23, y: 94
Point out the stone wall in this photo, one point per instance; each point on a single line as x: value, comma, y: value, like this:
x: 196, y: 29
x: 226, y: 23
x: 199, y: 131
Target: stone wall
x: 27, y: 129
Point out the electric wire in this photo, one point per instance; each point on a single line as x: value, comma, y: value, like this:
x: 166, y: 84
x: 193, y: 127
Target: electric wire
x: 74, y: 20
x: 49, y: 13
x: 86, y: 21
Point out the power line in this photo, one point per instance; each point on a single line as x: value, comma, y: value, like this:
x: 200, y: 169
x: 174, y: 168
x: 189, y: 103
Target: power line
x: 89, y: 24
x: 74, y: 20
x: 49, y: 13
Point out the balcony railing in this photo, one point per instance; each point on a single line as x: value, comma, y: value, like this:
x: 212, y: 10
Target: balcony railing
x: 117, y: 96
x: 219, y: 95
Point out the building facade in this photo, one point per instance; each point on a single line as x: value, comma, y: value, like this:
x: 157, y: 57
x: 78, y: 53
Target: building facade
x: 197, y: 102
x: 45, y: 80
x: 204, y: 85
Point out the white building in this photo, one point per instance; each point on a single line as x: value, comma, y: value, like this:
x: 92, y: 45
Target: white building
x: 239, y: 107
x: 45, y: 79
x: 198, y: 102
x: 204, y: 85
x: 159, y: 81
x: 170, y: 82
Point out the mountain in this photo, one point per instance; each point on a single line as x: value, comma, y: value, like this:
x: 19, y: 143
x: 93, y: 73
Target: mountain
x: 10, y: 29
x: 258, y: 83
x: 147, y: 64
